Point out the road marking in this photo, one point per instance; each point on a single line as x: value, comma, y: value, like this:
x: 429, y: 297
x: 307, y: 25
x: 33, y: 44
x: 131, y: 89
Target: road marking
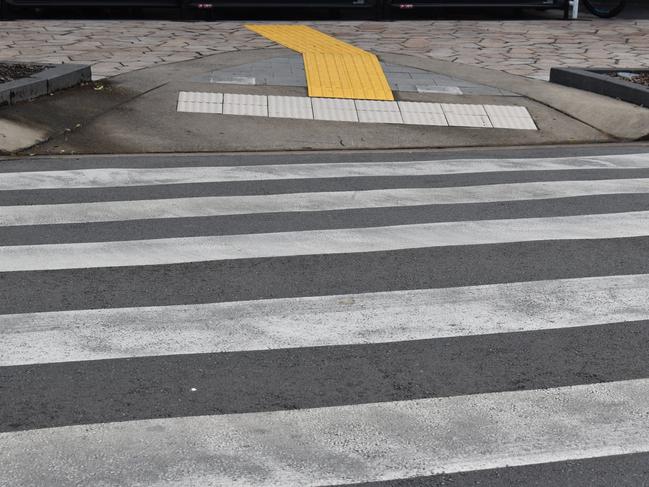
x: 342, y: 444
x: 300, y: 202
x: 96, y: 334
x: 317, y: 242
x: 110, y: 177
x: 334, y: 69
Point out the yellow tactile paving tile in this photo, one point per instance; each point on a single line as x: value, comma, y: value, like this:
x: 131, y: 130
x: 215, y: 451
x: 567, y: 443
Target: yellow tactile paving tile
x: 344, y: 76
x: 303, y: 39
x: 334, y: 69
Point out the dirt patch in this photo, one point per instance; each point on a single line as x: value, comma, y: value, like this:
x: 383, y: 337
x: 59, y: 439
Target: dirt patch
x: 11, y: 72
x: 639, y: 78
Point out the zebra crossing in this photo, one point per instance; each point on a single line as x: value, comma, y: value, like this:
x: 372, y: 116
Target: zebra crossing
x: 324, y: 320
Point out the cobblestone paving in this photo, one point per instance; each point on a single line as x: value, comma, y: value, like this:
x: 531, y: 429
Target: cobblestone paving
x: 527, y: 48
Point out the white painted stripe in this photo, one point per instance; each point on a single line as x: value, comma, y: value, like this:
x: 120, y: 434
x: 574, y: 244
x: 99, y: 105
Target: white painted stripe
x: 339, y: 445
x: 336, y: 200
x: 111, y: 177
x: 63, y: 336
x: 339, y: 241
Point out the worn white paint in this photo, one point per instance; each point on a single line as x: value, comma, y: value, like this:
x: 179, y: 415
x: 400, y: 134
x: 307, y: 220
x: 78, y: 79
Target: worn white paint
x: 96, y: 334
x: 294, y: 202
x: 112, y: 177
x: 339, y: 241
x: 339, y: 445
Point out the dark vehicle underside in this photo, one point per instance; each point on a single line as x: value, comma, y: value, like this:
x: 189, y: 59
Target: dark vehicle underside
x: 383, y: 5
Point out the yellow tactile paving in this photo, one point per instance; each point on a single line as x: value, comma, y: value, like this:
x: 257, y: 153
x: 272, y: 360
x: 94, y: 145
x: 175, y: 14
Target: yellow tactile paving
x: 334, y: 69
x: 304, y: 39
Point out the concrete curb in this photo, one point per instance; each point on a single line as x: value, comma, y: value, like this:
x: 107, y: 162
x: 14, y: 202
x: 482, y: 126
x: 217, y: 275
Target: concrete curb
x: 51, y: 79
x: 617, y: 118
x: 596, y: 81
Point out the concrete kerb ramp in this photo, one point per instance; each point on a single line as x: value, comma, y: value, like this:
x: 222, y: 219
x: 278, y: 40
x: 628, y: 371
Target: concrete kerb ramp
x: 144, y: 119
x: 614, y: 117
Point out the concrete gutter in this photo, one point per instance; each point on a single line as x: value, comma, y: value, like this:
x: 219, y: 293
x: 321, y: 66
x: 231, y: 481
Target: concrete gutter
x: 51, y: 79
x: 619, y: 119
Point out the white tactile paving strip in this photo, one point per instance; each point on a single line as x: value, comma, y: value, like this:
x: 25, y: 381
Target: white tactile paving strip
x: 334, y: 109
x: 290, y: 107
x: 198, y: 102
x: 364, y: 111
x: 509, y: 117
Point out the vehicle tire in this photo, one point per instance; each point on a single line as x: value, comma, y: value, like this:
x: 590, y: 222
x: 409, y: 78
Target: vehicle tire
x: 377, y: 11
x: 5, y: 10
x: 183, y: 10
x: 605, y: 8
x: 384, y: 10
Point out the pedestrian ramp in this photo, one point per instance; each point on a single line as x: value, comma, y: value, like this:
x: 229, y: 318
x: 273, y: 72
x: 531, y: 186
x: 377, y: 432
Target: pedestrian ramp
x: 334, y: 69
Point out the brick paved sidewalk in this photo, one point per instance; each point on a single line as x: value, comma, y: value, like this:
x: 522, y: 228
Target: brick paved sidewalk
x: 527, y: 48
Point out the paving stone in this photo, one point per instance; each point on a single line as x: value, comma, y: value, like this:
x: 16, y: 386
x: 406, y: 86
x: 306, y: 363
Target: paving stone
x: 290, y: 107
x: 506, y: 111
x: 463, y: 109
x: 518, y: 123
x: 462, y: 120
x: 525, y: 47
x: 240, y: 99
x: 200, y: 97
x: 334, y: 109
x: 199, y: 107
x: 377, y: 106
x: 377, y: 116
x: 481, y: 90
x: 418, y: 118
x: 446, y: 90
x: 243, y: 109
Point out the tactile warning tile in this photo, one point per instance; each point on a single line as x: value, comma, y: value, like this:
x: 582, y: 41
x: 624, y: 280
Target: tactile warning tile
x: 375, y: 116
x: 367, y: 111
x: 250, y: 110
x: 242, y: 99
x: 424, y: 118
x: 334, y: 109
x: 290, y: 107
x: 460, y: 115
x: 422, y: 113
x: 199, y: 107
x: 200, y: 102
x: 200, y: 97
x: 238, y: 104
x: 376, y: 106
x: 334, y: 69
x: 510, y: 117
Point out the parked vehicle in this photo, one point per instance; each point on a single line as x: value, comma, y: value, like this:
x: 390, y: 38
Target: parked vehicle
x: 383, y: 8
x: 605, y: 8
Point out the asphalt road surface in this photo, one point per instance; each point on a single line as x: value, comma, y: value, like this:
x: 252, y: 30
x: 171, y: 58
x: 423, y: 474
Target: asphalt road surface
x: 448, y: 318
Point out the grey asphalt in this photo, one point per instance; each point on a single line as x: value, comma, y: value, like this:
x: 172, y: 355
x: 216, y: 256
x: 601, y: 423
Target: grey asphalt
x: 281, y: 277
x: 320, y: 220
x: 234, y: 188
x: 63, y: 394
x: 622, y: 470
x: 37, y: 396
